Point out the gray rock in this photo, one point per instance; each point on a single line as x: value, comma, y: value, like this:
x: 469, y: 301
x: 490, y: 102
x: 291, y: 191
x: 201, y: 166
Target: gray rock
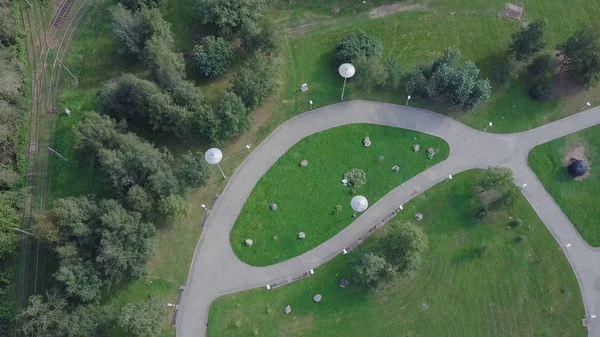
x: 419, y: 216
x: 396, y: 168
x: 301, y: 235
x: 273, y: 206
x: 343, y: 283
x: 304, y: 162
x: 430, y: 151
x: 249, y: 242
x: 416, y: 147
x: 287, y: 309
x: 317, y: 298
x: 367, y: 142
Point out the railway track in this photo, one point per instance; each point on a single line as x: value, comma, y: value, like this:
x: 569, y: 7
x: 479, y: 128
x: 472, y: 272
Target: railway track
x: 45, y: 81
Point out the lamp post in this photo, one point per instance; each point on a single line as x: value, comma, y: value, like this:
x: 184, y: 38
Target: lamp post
x: 204, y: 206
x: 248, y: 147
x: 346, y: 70
x: 310, y: 102
x: 407, y: 99
x: 359, y: 204
x: 213, y: 156
x: 587, y: 105
x: 489, y: 124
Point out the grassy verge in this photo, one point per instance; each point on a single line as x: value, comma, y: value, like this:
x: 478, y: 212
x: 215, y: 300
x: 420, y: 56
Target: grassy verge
x: 576, y: 197
x: 306, y: 196
x: 518, y: 289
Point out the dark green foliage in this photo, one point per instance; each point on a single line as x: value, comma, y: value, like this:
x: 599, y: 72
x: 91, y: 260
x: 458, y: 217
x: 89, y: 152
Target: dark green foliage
x: 515, y: 223
x: 229, y: 15
x: 7, y: 31
x: 255, y: 81
x: 233, y: 118
x: 372, y: 270
x: 581, y: 57
x: 540, y: 91
x: 520, y: 238
x: 496, y: 187
x: 194, y: 171
x: 481, y: 213
x: 80, y: 278
x: 393, y: 76
x: 213, y: 55
x: 459, y: 85
x: 42, y: 318
x: 135, y: 5
x: 142, y: 319
x: 9, y: 218
x: 11, y: 81
x: 403, y: 246
x: 167, y: 67
x: 138, y: 200
x: 528, y: 41
x: 353, y: 45
x: 174, y: 208
x: 260, y: 37
x: 540, y: 65
x: 370, y: 72
x: 356, y: 177
x: 502, y: 72
x: 132, y: 30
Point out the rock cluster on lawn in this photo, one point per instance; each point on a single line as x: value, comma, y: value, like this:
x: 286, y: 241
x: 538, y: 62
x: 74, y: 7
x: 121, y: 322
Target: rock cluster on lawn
x: 367, y: 142
x: 301, y: 235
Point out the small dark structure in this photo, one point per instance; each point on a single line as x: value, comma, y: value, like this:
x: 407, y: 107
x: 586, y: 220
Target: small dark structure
x: 578, y: 167
x: 343, y: 283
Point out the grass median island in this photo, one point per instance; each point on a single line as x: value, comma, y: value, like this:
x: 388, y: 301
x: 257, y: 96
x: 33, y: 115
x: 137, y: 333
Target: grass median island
x: 516, y: 289
x: 576, y: 197
x: 307, y: 196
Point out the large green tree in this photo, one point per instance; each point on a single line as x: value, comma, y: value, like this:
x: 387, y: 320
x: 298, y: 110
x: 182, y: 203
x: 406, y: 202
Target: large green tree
x: 233, y: 118
x: 261, y: 36
x: 228, y: 15
x: 142, y: 319
x: 255, y: 81
x: 194, y: 171
x: 372, y: 270
x: 370, y: 72
x: 528, y: 41
x: 403, y: 246
x: 580, y: 56
x: 496, y: 187
x: 213, y: 56
x: 353, y: 45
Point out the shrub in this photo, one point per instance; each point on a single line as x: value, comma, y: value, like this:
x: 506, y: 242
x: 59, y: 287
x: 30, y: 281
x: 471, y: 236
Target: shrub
x: 519, y: 238
x: 356, y: 177
x: 540, y: 65
x: 369, y: 72
x: 403, y: 246
x: 515, y: 223
x: 528, y: 41
x: 337, y: 209
x: 214, y: 55
x: 481, y: 213
x: 540, y: 91
x: 353, y: 45
x: 483, y: 249
x: 393, y: 73
x: 255, y: 80
x: 372, y: 270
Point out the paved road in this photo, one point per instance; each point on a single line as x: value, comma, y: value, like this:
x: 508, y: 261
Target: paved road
x: 216, y: 271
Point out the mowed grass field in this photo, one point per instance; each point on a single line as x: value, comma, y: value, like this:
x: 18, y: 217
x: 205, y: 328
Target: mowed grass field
x: 306, y: 196
x: 518, y: 289
x: 576, y: 197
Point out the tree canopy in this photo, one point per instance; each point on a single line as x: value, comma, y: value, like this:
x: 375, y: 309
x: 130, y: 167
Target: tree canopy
x: 580, y: 56
x: 255, y: 81
x: 403, y: 246
x: 228, y: 15
x: 213, y: 56
x: 528, y: 41
x: 142, y: 319
x: 353, y: 45
x: 372, y: 270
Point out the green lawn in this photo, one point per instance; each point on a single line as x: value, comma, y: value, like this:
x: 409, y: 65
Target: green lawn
x: 307, y: 196
x: 518, y: 289
x: 576, y: 198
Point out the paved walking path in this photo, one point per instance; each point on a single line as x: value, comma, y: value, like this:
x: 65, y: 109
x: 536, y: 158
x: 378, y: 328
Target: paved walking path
x: 216, y: 271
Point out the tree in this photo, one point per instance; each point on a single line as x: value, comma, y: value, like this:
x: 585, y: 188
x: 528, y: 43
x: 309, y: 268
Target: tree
x: 228, y: 15
x: 167, y: 67
x: 498, y: 182
x: 194, y: 171
x: 255, y: 81
x: 142, y: 319
x: 135, y: 5
x: 7, y: 31
x: 353, y: 45
x: 415, y: 82
x: 9, y: 218
x: 10, y: 76
x: 528, y: 41
x: 393, y: 70
x: 372, y: 270
x: 174, y: 208
x: 125, y: 243
x: 540, y: 91
x: 460, y: 86
x: 80, y: 278
x: 129, y: 29
x: 233, y: 118
x: 138, y: 200
x: 88, y: 321
x: 42, y: 318
x: 260, y: 37
x: 540, y: 65
x: 503, y: 71
x: 369, y: 72
x: 403, y: 246
x: 581, y: 57
x: 213, y: 56
x: 356, y: 177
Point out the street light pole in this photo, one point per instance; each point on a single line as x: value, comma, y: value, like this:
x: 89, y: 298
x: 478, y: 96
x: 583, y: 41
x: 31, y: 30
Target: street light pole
x: 489, y: 124
x: 343, y: 89
x: 587, y: 104
x: 220, y: 169
x: 346, y: 70
x: 408, y: 99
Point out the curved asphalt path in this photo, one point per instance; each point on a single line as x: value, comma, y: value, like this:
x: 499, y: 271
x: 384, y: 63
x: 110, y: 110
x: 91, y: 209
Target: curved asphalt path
x: 216, y: 271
